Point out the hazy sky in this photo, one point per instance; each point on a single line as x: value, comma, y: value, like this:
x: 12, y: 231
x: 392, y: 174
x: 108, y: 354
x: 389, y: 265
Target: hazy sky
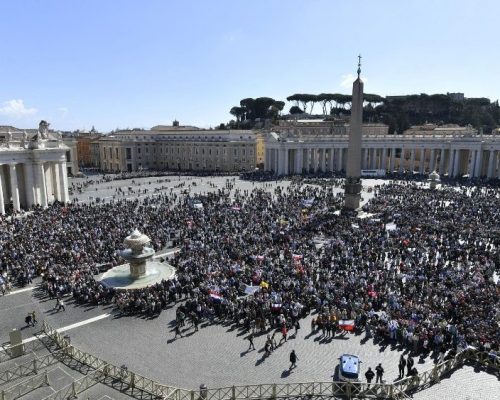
x: 141, y: 63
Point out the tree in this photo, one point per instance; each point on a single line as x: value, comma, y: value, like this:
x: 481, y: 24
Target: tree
x: 238, y: 112
x: 296, y: 110
x: 275, y: 110
x: 261, y: 106
x: 249, y: 106
x: 303, y: 100
x: 326, y: 99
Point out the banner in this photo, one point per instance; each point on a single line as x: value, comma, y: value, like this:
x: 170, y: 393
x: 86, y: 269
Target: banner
x: 346, y: 324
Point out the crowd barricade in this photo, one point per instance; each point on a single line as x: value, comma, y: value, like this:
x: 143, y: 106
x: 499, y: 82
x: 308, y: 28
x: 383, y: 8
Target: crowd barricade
x: 76, y: 387
x: 30, y: 368
x: 397, y: 390
x: 6, y: 353
x: 25, y: 387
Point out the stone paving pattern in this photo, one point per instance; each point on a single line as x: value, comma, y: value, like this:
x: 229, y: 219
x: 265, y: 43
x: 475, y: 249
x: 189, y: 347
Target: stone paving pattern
x: 217, y: 355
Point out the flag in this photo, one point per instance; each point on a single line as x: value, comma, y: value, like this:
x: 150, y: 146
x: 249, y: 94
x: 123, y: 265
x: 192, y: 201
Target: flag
x: 215, y: 295
x: 235, y: 208
x: 346, y: 324
x: 251, y: 289
x: 260, y: 258
x: 297, y: 257
x: 264, y: 284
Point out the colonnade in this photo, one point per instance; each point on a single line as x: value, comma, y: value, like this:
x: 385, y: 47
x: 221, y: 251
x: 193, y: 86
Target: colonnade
x: 454, y: 157
x: 25, y: 184
x: 303, y: 160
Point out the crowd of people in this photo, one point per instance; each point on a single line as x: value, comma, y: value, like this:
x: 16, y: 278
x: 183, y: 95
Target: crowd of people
x: 420, y: 269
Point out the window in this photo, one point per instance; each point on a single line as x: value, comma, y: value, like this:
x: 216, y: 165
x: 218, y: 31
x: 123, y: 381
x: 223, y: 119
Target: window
x: 138, y: 150
x: 128, y: 152
x: 116, y: 152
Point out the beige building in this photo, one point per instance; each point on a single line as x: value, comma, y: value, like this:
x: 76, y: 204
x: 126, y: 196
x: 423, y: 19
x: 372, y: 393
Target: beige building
x: 33, y: 168
x: 321, y: 127
x: 71, y: 155
x: 454, y: 155
x: 447, y: 129
x: 179, y: 148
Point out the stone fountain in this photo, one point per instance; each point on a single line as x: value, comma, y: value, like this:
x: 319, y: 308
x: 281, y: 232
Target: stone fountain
x: 434, y: 180
x: 141, y: 269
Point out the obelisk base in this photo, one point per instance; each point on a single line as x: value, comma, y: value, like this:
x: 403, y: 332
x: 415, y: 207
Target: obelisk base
x: 352, y: 193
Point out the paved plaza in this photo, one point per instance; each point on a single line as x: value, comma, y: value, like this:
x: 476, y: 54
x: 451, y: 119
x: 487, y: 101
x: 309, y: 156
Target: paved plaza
x: 216, y: 355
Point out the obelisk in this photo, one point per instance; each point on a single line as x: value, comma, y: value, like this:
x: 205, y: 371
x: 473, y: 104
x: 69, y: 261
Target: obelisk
x: 353, y: 171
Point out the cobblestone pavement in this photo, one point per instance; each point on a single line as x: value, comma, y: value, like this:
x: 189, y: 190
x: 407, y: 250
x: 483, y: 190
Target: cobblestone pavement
x: 216, y: 355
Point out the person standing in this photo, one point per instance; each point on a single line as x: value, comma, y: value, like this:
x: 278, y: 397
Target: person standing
x: 293, y: 360
x: 369, y: 376
x: 409, y: 365
x: 250, y: 339
x: 380, y: 373
x: 284, y: 332
x: 33, y: 318
x: 401, y: 366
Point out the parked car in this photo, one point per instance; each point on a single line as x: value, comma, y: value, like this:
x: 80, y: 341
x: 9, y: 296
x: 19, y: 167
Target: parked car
x: 349, y: 368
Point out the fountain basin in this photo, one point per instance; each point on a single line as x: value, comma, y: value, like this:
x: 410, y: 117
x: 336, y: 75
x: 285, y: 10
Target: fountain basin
x: 120, y: 277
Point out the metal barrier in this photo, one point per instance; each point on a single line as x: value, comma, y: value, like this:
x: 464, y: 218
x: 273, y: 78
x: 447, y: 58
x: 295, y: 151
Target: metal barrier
x: 6, y: 355
x: 30, y: 368
x: 76, y: 387
x: 397, y: 390
x: 25, y: 387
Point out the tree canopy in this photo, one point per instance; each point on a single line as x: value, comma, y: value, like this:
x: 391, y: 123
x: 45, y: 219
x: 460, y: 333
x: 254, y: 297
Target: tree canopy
x: 399, y: 112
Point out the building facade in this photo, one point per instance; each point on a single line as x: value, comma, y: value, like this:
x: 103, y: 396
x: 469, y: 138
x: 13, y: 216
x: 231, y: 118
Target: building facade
x: 84, y: 149
x: 449, y: 154
x: 33, y: 168
x: 320, y: 127
x: 71, y: 155
x: 180, y: 149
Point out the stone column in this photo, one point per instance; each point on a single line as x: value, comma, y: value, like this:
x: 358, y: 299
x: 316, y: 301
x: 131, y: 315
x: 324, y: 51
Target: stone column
x: 472, y: 163
x: 307, y: 160
x: 276, y: 161
x: 340, y: 159
x: 392, y: 162
x: 56, y: 181
x: 63, y: 178
x: 491, y: 164
x: 14, y: 187
x: 280, y: 161
x: 432, y: 161
x: 478, y: 169
x: 298, y: 160
x: 40, y: 183
x: 421, y: 161
x: 383, y: 161
x: 267, y: 160
x: 456, y: 163
x: 29, y: 184
x: 442, y: 159
x: 450, y: 162
x: 2, y: 202
x: 285, y: 162
x: 330, y: 159
x: 412, y: 160
x: 322, y: 160
x: 373, y: 158
x: 402, y: 160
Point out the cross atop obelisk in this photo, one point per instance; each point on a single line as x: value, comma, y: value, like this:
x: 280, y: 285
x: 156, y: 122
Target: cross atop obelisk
x: 353, y: 171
